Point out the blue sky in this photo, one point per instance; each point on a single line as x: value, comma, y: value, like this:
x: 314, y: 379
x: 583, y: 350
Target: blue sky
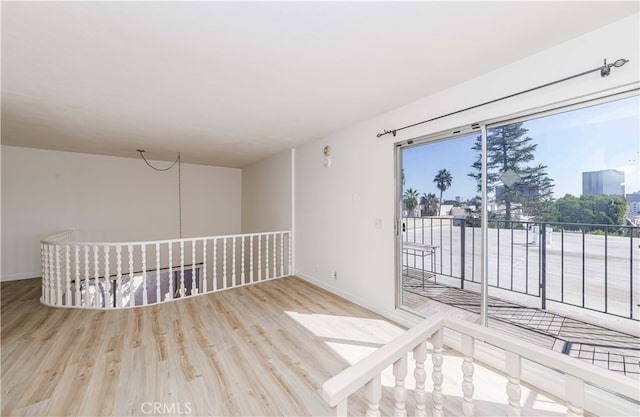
x: 605, y: 136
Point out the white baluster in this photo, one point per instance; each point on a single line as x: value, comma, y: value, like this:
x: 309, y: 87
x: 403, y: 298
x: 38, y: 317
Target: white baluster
x: 251, y: 259
x: 119, y: 275
x: 224, y: 263
x: 158, y: 294
x: 574, y: 391
x: 436, y: 375
x: 204, y: 266
x: 182, y: 292
x: 107, y: 278
x: 468, y: 344
x: 281, y: 254
x: 259, y: 257
x: 58, y: 277
x: 275, y: 256
x: 76, y: 250
x: 420, y: 355
x: 214, y: 278
x: 52, y: 274
x: 399, y: 391
x: 67, y: 275
x: 513, y: 368
x: 242, y: 277
x: 86, y: 275
x: 143, y: 255
x: 340, y: 410
x: 45, y: 272
x: 373, y: 392
x: 171, y: 292
x: 96, y: 276
x: 132, y: 289
x: 233, y: 263
x: 266, y: 256
x: 193, y: 267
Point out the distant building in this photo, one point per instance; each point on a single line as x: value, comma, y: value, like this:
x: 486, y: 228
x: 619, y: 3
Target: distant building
x: 633, y: 203
x: 606, y: 181
x: 460, y: 199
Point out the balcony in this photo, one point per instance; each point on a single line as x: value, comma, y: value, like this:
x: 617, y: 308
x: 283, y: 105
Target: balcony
x: 572, y: 288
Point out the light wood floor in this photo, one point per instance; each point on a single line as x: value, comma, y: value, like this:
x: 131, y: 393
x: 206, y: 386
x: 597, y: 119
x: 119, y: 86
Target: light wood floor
x: 259, y: 350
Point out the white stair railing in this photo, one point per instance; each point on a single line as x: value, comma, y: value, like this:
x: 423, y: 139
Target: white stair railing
x: 367, y: 372
x: 112, y: 275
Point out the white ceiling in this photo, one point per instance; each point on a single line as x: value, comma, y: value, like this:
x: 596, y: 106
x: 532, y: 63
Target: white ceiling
x: 230, y: 83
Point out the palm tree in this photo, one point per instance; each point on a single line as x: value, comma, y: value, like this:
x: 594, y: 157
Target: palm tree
x: 443, y: 180
x: 429, y: 204
x: 411, y: 199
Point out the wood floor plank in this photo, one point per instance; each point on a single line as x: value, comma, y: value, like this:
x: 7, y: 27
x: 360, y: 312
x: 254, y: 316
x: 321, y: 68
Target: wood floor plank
x: 262, y: 350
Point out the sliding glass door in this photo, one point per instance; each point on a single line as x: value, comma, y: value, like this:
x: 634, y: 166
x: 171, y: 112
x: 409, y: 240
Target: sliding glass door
x: 561, y: 263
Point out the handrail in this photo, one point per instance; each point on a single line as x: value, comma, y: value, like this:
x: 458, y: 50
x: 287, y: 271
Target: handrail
x: 53, y: 238
x: 339, y: 388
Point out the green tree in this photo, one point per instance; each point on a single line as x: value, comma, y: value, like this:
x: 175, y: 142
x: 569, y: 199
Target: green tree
x: 509, y: 148
x: 591, y: 209
x: 443, y: 180
x: 410, y: 198
x: 429, y: 204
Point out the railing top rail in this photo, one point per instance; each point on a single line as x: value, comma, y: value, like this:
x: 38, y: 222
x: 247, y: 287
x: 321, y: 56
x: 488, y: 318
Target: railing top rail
x: 341, y: 386
x: 57, y: 236
x: 165, y: 241
x: 592, y: 374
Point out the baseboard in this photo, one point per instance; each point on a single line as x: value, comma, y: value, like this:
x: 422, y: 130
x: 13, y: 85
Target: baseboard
x: 17, y: 277
x: 400, y: 317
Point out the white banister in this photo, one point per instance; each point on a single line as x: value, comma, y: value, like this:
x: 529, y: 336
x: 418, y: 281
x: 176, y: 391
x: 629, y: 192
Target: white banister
x: 259, y: 258
x: 171, y: 289
x: 373, y: 392
x: 215, y: 265
x: 107, y: 278
x: 78, y: 274
x: 118, y: 275
x: 467, y: 372
x: 577, y: 374
x: 437, y: 359
x: 143, y: 255
x: 67, y: 261
x: 400, y: 369
x: 158, y: 292
x: 420, y: 375
x: 193, y: 267
x: 251, y: 259
x: 266, y: 257
x: 275, y: 256
x: 224, y: 263
x: 132, y: 294
x: 181, y: 291
x: 242, y: 276
x: 204, y: 266
x: 513, y: 366
x: 233, y: 262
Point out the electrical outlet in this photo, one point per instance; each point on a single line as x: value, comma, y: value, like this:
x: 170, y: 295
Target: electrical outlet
x: 317, y: 268
x: 335, y: 274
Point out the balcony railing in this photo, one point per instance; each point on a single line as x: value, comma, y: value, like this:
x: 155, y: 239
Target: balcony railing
x: 581, y: 387
x: 112, y: 275
x: 590, y: 266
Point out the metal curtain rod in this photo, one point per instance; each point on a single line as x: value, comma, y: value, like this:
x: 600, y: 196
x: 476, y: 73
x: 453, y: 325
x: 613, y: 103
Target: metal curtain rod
x: 605, y: 70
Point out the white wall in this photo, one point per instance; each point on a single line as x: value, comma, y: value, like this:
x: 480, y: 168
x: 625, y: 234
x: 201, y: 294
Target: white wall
x: 266, y: 194
x: 337, y: 207
x: 106, y: 198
